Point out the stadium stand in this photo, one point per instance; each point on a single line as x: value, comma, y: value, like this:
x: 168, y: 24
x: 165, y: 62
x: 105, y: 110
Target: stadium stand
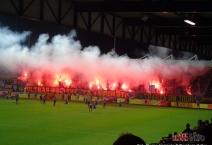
x: 200, y: 134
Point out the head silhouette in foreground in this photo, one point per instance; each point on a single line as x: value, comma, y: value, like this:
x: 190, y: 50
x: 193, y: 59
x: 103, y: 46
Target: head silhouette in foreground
x: 129, y: 139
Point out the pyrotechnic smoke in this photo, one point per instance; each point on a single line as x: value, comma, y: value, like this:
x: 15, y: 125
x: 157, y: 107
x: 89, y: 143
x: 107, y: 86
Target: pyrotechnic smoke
x: 64, y: 58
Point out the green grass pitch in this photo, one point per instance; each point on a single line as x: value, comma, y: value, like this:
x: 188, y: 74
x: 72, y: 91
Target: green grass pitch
x: 32, y: 123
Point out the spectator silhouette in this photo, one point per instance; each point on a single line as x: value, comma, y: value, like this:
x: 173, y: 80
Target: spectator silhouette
x: 187, y: 130
x: 199, y: 124
x: 129, y: 139
x: 206, y: 122
x: 206, y: 131
x: 167, y: 139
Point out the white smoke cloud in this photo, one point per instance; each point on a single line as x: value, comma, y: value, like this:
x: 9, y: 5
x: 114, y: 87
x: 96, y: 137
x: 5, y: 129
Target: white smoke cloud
x: 65, y: 55
x: 161, y: 52
x: 9, y: 38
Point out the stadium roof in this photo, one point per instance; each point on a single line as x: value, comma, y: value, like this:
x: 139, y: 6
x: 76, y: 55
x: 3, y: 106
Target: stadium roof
x: 167, y: 17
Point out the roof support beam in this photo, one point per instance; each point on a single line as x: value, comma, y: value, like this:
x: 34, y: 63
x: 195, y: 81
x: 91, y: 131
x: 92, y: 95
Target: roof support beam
x: 145, y: 7
x: 171, y: 22
x: 185, y: 31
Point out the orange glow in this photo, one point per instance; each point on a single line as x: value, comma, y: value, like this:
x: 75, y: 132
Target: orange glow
x: 114, y: 84
x: 67, y: 82
x: 188, y: 90
x: 97, y: 81
x: 90, y: 85
x: 157, y: 85
x: 124, y: 86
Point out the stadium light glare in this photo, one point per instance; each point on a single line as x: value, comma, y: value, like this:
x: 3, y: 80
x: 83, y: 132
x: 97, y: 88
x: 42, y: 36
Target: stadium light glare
x: 189, y: 22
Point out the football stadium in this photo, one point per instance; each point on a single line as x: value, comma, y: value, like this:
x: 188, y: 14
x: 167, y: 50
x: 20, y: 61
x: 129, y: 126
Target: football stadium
x: 105, y: 72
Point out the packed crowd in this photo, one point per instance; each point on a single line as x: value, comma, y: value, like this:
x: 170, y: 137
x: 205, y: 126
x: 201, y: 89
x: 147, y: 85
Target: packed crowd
x: 200, y: 134
x: 200, y: 85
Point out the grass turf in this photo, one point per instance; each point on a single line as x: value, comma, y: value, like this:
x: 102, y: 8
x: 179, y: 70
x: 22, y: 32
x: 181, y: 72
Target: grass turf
x: 33, y: 123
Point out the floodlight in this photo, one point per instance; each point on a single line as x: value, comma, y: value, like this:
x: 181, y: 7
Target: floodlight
x: 189, y: 22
